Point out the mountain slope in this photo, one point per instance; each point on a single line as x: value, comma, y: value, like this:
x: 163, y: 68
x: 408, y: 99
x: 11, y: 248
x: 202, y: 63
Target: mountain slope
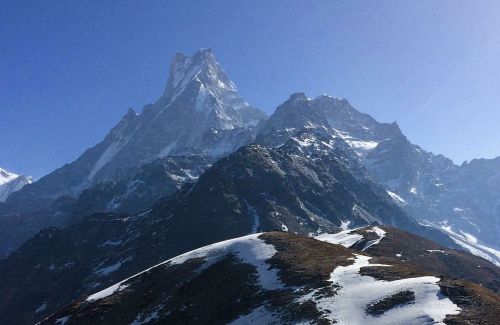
x: 397, y: 165
x: 131, y: 194
x: 429, y: 187
x: 304, y: 186
x: 390, y: 243
x: 282, y: 278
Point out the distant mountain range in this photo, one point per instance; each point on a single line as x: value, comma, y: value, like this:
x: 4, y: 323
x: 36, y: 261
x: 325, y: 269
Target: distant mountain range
x: 201, y: 165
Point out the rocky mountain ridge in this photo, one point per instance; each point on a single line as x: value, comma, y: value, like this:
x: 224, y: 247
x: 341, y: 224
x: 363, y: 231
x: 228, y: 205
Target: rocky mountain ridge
x: 284, y: 278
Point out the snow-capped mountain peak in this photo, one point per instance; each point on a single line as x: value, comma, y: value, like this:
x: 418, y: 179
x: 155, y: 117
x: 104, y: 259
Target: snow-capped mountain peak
x: 203, y: 76
x: 6, y: 176
x: 10, y: 182
x: 200, y: 112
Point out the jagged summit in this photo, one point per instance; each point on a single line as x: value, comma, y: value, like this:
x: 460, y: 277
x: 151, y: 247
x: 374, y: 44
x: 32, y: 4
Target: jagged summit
x: 200, y: 112
x: 201, y: 65
x: 295, y: 114
x: 201, y: 78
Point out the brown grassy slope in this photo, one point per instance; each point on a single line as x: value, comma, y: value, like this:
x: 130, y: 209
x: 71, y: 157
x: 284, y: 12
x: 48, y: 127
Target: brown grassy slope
x: 452, y: 263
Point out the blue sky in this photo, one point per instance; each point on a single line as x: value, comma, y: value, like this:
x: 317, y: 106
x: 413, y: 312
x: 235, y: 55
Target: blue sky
x: 70, y: 69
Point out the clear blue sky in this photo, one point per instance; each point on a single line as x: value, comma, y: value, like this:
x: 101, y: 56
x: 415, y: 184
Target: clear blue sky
x: 70, y: 69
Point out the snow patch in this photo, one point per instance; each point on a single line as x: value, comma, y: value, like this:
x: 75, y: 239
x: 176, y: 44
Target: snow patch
x: 41, y: 308
x: 469, y: 243
x: 255, y: 215
x: 284, y: 227
x: 396, y: 198
x: 105, y: 271
x: 165, y: 151
x: 105, y: 157
x: 348, y: 238
x: 469, y: 237
x: 380, y: 233
x: 249, y: 249
x: 144, y: 319
x: 107, y: 292
x: 363, y: 145
x: 345, y: 238
x: 344, y: 225
x: 62, y: 320
x: 305, y: 142
x: 111, y: 243
x: 355, y: 292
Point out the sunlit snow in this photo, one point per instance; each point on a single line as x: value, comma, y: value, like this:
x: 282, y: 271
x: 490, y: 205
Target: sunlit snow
x: 249, y: 249
x: 345, y: 238
x: 348, y: 305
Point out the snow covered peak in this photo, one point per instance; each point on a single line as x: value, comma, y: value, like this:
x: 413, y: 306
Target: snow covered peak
x: 298, y: 112
x: 201, y: 68
x: 10, y: 182
x: 199, y: 86
x: 6, y: 176
x: 184, y: 69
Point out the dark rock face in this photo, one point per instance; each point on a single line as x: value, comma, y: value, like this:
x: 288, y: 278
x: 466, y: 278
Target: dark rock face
x: 16, y: 228
x: 139, y: 192
x: 273, y: 277
x: 59, y: 258
x: 294, y: 115
x: 342, y: 117
x: 131, y: 194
